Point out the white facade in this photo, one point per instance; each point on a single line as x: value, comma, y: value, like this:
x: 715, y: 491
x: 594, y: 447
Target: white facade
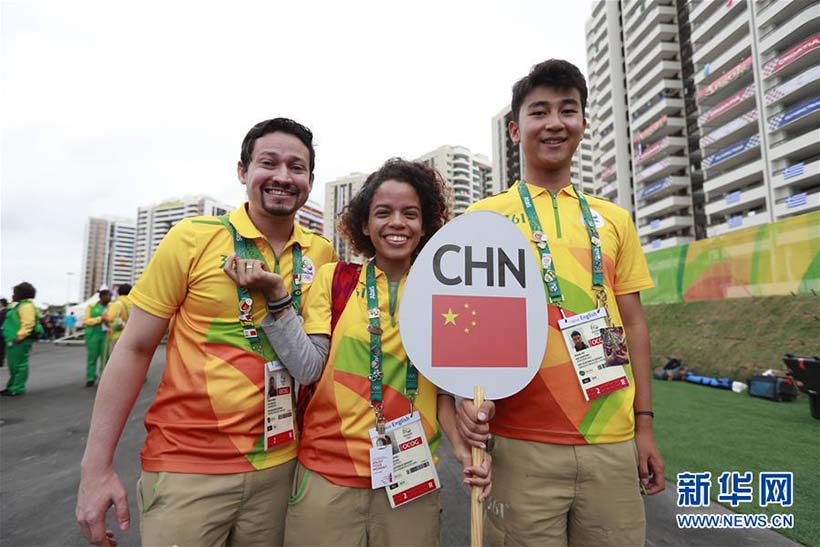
x: 338, y: 194
x: 759, y: 104
x: 607, y: 106
x: 154, y: 221
x: 108, y: 254
x: 582, y: 171
x: 470, y: 176
x: 507, y: 164
x: 310, y: 216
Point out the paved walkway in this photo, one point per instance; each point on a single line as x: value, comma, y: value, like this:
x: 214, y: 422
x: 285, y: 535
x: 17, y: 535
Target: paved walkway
x: 43, y: 436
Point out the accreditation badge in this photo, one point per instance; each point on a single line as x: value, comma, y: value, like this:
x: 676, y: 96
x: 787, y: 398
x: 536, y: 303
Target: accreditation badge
x: 414, y: 472
x: 598, y: 373
x: 278, y: 405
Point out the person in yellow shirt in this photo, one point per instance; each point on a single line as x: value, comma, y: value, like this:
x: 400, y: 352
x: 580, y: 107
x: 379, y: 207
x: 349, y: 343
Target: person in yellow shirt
x: 95, y: 332
x: 568, y: 467
x: 21, y: 323
x: 209, y: 476
x: 116, y: 316
x: 367, y: 379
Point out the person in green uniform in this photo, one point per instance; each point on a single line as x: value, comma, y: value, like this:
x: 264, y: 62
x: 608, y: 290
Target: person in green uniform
x: 95, y: 335
x: 20, y: 323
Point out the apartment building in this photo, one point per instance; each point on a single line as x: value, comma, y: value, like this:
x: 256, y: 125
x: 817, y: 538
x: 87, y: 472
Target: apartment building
x: 470, y: 176
x: 154, y: 221
x: 722, y: 111
x: 338, y: 194
x: 757, y: 69
x: 607, y: 119
x: 310, y: 216
x: 108, y: 254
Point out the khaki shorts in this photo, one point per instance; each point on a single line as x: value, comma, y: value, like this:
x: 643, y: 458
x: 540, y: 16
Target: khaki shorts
x: 549, y: 494
x: 321, y: 513
x: 241, y: 509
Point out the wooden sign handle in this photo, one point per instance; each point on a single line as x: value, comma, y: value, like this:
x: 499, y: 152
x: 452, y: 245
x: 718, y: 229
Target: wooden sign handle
x: 477, y: 514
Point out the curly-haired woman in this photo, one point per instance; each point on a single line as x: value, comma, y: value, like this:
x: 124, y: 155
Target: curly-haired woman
x: 366, y: 381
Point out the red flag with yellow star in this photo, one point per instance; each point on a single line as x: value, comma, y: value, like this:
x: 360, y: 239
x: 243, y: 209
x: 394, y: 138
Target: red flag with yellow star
x: 479, y: 331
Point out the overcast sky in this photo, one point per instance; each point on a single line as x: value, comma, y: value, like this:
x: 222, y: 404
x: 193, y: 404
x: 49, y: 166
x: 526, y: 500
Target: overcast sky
x: 105, y: 107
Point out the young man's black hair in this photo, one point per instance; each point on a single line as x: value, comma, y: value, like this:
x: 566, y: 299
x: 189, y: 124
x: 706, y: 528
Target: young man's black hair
x: 552, y: 73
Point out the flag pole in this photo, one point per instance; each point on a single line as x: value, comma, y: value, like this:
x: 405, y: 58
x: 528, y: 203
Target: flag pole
x: 477, y: 515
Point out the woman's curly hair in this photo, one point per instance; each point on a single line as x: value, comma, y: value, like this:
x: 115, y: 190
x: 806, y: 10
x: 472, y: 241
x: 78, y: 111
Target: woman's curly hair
x: 429, y: 186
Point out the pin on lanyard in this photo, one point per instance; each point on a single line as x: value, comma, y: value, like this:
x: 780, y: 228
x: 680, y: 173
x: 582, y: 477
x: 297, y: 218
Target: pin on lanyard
x: 376, y: 374
x: 556, y: 297
x: 245, y: 249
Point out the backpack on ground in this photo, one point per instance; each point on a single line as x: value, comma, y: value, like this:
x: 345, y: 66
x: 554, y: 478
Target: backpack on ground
x: 774, y: 388
x: 345, y: 279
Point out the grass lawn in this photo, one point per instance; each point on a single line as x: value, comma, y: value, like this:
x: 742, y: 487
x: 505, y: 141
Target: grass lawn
x: 701, y: 428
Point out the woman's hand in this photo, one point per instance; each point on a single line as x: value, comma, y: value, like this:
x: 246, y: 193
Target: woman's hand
x: 253, y: 274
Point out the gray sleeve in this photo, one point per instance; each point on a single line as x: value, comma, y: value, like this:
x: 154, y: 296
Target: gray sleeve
x: 304, y: 356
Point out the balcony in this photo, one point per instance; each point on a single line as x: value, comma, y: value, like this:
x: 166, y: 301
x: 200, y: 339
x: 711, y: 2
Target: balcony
x: 802, y: 55
x: 659, y: 33
x: 649, y: 19
x: 706, y: 51
x: 660, y: 150
x: 668, y: 106
x: 738, y: 200
x: 726, y: 110
x: 736, y: 154
x: 669, y: 70
x: 796, y: 89
x: 663, y: 207
x: 659, y: 129
x: 805, y: 23
x: 777, y: 12
x: 796, y: 204
x: 742, y: 127
x: 703, y: 10
x: 804, y: 146
x: 732, y: 56
x: 660, y: 86
x: 662, y: 188
x: 608, y: 156
x: 609, y: 189
x: 718, y: 19
x: 665, y: 51
x: 737, y: 223
x: 672, y: 165
x: 797, y: 173
x: 659, y: 244
x: 726, y: 182
x: 797, y: 118
x: 668, y: 224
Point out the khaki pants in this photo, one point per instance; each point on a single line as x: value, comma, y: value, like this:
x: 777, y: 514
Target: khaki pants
x: 242, y: 509
x: 321, y: 513
x: 557, y: 495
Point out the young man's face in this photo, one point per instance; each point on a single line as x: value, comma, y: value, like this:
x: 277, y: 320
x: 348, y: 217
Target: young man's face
x: 550, y: 127
x: 278, y: 177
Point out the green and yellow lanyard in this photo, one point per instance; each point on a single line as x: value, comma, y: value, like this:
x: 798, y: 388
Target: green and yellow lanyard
x: 556, y: 297
x: 247, y: 249
x: 411, y: 384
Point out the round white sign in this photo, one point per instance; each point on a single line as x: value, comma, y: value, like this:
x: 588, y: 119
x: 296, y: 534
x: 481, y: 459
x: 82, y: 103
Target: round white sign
x: 474, y: 310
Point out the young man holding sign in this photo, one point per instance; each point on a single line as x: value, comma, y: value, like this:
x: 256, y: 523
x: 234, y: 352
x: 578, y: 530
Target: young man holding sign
x: 566, y: 468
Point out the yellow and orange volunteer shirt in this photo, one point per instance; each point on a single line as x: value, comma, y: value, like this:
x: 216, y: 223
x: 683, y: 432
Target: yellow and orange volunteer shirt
x: 336, y: 443
x: 552, y: 408
x: 117, y: 315
x: 208, y: 412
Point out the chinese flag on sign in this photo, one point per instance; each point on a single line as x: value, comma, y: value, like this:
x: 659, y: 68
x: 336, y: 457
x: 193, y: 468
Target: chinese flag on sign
x: 479, y: 331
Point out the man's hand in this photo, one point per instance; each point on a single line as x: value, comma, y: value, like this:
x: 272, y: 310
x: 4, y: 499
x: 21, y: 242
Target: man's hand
x: 473, y: 423
x: 650, y: 463
x: 98, y: 492
x: 253, y: 274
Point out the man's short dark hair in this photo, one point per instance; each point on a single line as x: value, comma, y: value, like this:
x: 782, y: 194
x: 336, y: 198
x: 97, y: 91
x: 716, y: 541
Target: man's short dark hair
x: 555, y: 73
x: 575, y: 333
x: 124, y: 289
x: 104, y: 292
x: 282, y: 125
x: 24, y: 291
